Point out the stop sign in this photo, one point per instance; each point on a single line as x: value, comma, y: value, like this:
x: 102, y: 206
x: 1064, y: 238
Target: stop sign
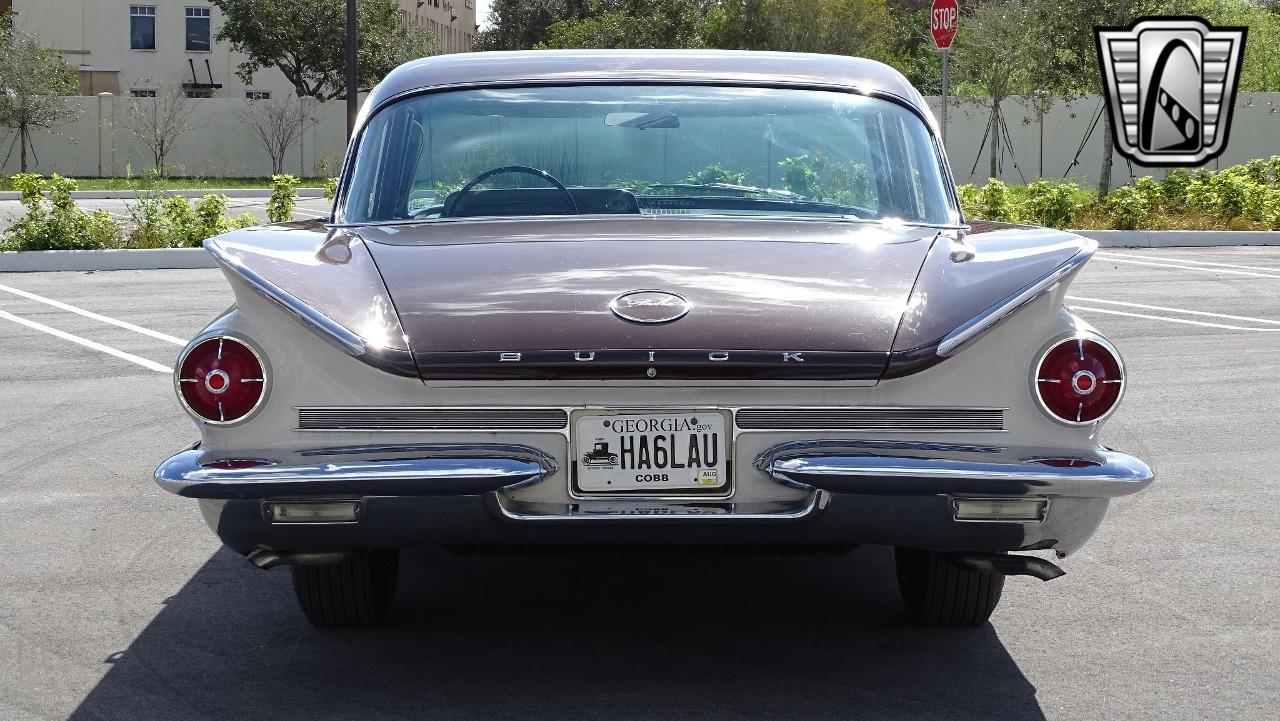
x: 944, y: 16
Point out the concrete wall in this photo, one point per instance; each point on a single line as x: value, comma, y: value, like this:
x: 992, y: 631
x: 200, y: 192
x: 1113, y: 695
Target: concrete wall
x: 218, y: 144
x: 1255, y: 132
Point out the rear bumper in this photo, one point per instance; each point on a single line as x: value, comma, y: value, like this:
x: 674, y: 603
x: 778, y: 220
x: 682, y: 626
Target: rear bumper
x: 890, y: 493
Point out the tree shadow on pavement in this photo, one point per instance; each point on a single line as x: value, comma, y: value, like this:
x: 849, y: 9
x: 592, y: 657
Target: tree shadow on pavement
x: 658, y: 634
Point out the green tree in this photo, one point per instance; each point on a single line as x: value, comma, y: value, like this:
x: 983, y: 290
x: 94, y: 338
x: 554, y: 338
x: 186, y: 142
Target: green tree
x: 1071, y: 67
x: 33, y: 81
x: 304, y: 39
x: 838, y: 27
x: 525, y: 24
x: 632, y: 24
x: 993, y: 71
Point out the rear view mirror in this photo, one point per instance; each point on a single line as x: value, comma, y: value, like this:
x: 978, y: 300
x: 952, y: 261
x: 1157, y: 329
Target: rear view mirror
x: 642, y: 121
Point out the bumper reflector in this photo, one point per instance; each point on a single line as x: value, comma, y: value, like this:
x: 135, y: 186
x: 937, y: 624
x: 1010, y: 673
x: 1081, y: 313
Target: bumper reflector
x: 999, y: 509
x: 312, y: 512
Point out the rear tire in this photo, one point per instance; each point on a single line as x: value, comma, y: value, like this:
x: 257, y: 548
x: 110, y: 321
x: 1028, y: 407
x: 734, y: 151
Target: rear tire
x: 352, y: 593
x: 938, y: 592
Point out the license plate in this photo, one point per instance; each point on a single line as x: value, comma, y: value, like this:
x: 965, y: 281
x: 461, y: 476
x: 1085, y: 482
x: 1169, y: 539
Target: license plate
x: 651, y: 452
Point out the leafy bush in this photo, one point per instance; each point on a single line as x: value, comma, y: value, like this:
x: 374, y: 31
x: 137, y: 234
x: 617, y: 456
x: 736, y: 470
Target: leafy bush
x: 53, y: 222
x: 330, y: 189
x: 800, y: 177
x: 175, y: 222
x: 1127, y: 207
x: 1051, y: 204
x: 284, y: 194
x: 992, y: 201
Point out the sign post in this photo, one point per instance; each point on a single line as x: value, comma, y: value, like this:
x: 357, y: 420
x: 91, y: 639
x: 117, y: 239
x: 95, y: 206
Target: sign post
x: 944, y: 18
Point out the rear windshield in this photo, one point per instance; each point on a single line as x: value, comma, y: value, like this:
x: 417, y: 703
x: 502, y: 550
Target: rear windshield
x: 683, y: 149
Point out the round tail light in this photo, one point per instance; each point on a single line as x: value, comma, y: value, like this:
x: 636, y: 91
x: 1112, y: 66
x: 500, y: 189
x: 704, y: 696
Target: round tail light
x: 221, y: 380
x: 1079, y: 380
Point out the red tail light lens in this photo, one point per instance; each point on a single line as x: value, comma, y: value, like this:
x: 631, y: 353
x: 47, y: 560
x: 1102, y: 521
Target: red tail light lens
x: 221, y: 380
x: 1079, y: 380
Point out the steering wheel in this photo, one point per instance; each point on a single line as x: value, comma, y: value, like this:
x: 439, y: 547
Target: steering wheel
x: 451, y: 205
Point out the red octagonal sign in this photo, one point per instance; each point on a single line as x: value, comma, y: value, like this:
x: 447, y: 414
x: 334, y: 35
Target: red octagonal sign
x: 944, y: 17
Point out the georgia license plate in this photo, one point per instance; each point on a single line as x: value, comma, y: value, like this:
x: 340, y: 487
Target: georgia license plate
x: 652, y: 452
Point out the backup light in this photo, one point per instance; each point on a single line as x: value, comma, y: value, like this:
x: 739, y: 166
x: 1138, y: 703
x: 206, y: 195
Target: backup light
x: 999, y: 509
x: 313, y: 512
x: 1079, y: 380
x: 221, y: 380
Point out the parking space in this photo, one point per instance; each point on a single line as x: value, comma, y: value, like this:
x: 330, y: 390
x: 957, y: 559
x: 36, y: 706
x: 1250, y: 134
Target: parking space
x: 119, y: 604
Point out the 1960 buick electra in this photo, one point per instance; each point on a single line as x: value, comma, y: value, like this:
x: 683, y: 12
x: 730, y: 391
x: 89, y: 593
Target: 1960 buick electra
x: 650, y: 298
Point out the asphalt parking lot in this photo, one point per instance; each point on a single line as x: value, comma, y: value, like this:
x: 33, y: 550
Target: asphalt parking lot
x: 117, y: 603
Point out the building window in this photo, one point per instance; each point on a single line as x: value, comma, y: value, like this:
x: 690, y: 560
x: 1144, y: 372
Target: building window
x: 198, y: 30
x: 142, y: 27
x: 139, y: 93
x: 257, y: 95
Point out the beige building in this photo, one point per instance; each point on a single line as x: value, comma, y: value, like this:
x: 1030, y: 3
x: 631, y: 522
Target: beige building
x: 136, y: 47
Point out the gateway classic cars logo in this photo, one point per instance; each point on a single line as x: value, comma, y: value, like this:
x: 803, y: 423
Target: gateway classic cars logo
x: 1170, y: 83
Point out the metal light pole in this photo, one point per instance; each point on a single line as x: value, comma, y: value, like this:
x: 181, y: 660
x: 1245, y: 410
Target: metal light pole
x: 353, y: 79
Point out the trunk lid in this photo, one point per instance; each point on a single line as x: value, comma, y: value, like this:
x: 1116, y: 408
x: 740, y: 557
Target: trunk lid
x: 501, y: 298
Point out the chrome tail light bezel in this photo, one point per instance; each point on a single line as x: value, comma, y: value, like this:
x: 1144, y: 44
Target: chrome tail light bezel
x: 1077, y: 337
x: 258, y: 355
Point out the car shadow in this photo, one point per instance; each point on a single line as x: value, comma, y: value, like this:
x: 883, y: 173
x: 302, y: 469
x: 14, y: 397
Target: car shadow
x: 653, y: 634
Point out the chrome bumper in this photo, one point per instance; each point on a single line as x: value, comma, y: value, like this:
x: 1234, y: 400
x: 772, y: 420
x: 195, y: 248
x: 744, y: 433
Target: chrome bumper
x: 908, y: 468
x: 390, y: 470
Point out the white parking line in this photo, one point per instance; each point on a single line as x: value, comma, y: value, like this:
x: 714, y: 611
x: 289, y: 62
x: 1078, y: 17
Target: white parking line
x: 95, y: 316
x: 1173, y: 320
x: 151, y: 365
x: 1175, y: 310
x: 1116, y: 259
x: 1111, y: 254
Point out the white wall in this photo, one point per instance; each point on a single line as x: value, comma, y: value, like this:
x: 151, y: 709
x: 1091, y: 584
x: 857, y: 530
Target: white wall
x: 1255, y: 132
x: 218, y: 144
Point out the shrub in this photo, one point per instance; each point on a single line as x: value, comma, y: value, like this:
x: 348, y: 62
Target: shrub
x: 52, y: 220
x: 800, y: 176
x: 149, y: 229
x: 1127, y: 207
x: 713, y: 174
x: 284, y: 193
x: 993, y: 201
x: 1173, y: 189
x: 1051, y: 204
x: 330, y: 189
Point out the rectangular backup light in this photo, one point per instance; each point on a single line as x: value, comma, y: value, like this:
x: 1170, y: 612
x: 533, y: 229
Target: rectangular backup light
x: 312, y: 511
x: 999, y: 509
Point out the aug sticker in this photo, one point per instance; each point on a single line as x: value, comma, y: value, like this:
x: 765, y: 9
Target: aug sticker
x: 707, y: 477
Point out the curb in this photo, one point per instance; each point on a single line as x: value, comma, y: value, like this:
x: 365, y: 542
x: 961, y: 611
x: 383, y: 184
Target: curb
x: 195, y: 193
x: 1180, y: 238
x: 31, y: 261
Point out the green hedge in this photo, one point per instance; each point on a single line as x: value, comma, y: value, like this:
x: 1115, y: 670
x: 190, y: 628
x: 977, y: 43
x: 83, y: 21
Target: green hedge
x: 1242, y: 197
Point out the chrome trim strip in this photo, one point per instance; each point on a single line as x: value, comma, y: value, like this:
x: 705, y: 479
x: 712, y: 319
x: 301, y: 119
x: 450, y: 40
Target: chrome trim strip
x: 872, y: 418
x: 429, y: 418
x: 973, y: 328
x: 322, y: 324
x: 447, y: 469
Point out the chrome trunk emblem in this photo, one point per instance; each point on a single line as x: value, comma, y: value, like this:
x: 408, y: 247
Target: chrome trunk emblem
x: 650, y: 306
